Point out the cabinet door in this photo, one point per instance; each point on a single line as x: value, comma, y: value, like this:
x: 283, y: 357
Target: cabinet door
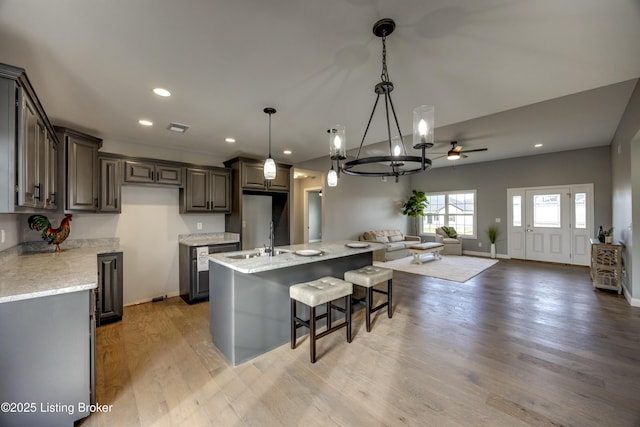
x: 253, y: 176
x: 139, y: 172
x: 221, y: 188
x: 168, y: 175
x: 109, y: 297
x: 196, y: 191
x: 110, y: 186
x: 28, y: 154
x: 82, y: 174
x: 51, y: 201
x: 281, y: 183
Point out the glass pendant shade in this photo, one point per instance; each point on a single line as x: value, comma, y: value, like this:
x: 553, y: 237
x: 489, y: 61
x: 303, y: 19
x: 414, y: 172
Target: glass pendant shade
x: 337, y: 142
x: 423, y: 125
x: 332, y: 177
x: 269, y: 169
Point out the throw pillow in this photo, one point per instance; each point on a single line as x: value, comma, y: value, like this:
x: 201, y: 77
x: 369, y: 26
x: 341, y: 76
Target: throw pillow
x: 382, y: 239
x: 451, y: 232
x: 396, y: 238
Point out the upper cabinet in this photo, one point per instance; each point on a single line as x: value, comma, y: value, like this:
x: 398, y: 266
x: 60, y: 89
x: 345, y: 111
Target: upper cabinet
x: 81, y: 170
x: 252, y: 175
x: 148, y: 172
x: 28, y: 147
x: 206, y: 190
x: 110, y: 184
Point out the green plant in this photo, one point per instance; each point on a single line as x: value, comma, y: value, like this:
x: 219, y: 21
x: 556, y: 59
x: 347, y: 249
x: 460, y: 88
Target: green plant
x: 492, y: 233
x: 609, y: 232
x: 414, y: 207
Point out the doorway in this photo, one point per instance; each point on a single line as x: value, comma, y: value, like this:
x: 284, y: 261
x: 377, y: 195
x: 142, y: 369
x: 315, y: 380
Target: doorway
x: 552, y: 224
x: 312, y: 215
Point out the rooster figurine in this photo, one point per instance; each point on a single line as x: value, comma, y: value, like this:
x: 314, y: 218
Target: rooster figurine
x: 52, y: 235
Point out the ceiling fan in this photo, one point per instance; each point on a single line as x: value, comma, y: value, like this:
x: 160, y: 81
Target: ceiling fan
x: 457, y: 152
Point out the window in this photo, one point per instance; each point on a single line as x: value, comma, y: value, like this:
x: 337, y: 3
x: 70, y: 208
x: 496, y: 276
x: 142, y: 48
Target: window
x: 516, y: 206
x: 581, y: 210
x: 546, y: 211
x: 454, y: 209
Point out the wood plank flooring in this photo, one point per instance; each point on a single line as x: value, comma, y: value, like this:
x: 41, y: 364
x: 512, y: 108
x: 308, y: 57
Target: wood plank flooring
x: 520, y: 344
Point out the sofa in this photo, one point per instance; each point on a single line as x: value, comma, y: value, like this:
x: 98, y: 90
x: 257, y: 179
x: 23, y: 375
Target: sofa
x: 448, y: 237
x: 396, y: 242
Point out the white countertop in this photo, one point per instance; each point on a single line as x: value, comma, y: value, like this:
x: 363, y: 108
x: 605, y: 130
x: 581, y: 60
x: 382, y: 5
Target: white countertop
x: 205, y: 239
x: 329, y: 250
x: 33, y: 275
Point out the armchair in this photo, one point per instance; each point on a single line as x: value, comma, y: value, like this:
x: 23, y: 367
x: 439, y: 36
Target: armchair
x: 452, y: 245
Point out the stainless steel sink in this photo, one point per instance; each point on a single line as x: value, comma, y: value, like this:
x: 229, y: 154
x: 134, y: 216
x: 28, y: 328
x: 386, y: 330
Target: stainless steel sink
x: 250, y: 255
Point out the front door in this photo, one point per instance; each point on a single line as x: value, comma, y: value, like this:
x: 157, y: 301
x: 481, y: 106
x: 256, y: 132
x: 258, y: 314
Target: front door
x: 551, y: 224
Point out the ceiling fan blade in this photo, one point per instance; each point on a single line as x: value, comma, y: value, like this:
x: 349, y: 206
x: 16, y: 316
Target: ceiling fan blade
x: 439, y: 157
x: 457, y: 148
x: 477, y: 149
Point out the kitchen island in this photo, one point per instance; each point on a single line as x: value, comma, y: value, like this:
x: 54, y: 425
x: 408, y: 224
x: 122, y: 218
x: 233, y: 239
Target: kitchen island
x: 249, y: 295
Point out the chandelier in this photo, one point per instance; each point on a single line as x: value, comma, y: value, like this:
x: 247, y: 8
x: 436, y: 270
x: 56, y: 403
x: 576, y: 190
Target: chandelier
x: 397, y: 163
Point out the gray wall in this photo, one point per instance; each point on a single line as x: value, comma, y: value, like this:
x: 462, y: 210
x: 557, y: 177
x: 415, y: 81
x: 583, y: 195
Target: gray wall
x: 359, y: 204
x: 625, y: 164
x: 492, y: 179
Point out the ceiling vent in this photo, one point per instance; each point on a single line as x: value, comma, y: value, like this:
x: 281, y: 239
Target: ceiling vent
x: 178, y: 127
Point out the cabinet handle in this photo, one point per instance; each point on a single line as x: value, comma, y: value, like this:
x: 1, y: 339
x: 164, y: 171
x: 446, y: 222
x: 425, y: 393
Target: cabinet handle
x: 115, y: 202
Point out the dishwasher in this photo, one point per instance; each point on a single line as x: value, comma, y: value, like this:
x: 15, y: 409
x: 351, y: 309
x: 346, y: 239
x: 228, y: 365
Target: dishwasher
x: 194, y: 269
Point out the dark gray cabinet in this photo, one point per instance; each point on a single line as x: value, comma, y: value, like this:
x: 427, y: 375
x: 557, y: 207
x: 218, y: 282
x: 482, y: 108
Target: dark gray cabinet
x: 194, y: 269
x: 252, y: 176
x: 81, y: 170
x: 110, y: 185
x: 206, y: 190
x: 28, y: 146
x: 152, y: 173
x: 109, y: 294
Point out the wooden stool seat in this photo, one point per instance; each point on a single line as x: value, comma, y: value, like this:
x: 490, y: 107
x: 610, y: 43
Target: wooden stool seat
x: 314, y: 293
x: 368, y: 277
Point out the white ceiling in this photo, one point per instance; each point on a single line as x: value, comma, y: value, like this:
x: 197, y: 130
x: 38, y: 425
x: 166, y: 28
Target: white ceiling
x: 557, y: 72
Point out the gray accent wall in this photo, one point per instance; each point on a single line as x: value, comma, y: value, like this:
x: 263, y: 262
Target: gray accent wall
x: 359, y: 204
x: 492, y: 179
x: 625, y: 164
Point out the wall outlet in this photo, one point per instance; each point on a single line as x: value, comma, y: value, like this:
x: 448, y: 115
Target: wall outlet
x: 479, y: 244
x: 1, y: 236
x: 498, y: 220
x: 199, y: 225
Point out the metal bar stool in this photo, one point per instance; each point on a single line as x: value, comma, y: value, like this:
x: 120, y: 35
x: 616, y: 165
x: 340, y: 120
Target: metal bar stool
x: 325, y: 290
x: 368, y: 277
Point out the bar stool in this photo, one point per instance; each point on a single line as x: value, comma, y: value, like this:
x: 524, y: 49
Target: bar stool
x: 368, y: 277
x: 325, y: 290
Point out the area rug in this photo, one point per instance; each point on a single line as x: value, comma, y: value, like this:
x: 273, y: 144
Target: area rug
x: 448, y: 267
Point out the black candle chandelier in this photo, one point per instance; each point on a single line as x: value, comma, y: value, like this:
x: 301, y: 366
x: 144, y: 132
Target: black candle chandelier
x: 397, y: 163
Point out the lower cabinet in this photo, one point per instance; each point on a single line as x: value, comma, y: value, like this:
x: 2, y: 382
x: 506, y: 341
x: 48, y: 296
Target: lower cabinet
x: 109, y: 294
x: 194, y: 269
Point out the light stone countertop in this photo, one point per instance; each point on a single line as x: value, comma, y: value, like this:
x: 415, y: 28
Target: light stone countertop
x: 204, y: 239
x: 289, y: 258
x: 34, y: 275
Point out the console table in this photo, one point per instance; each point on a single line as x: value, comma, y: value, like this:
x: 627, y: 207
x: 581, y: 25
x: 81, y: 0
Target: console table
x: 606, y: 266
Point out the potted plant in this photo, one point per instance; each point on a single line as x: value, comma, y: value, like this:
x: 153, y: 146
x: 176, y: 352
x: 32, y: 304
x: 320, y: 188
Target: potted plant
x: 414, y: 207
x: 492, y: 234
x: 608, y: 236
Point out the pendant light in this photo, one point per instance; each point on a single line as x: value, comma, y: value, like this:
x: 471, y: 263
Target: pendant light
x: 269, y: 164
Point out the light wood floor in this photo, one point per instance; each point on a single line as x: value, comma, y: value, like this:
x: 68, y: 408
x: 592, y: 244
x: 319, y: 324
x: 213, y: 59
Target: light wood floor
x: 520, y: 344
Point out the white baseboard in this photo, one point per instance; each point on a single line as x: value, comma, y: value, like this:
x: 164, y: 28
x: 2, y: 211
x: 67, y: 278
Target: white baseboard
x: 485, y: 254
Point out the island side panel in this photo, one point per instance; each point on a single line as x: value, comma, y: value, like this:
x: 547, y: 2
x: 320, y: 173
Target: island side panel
x: 260, y: 308
x: 221, y: 316
x: 45, y: 359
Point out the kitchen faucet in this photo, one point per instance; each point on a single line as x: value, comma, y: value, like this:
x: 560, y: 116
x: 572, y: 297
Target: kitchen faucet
x: 271, y: 239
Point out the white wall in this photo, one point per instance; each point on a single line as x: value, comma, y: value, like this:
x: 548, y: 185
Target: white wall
x: 148, y: 229
x: 11, y: 226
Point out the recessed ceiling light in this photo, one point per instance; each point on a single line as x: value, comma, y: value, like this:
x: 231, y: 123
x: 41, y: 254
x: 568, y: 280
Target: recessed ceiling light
x: 178, y: 127
x: 161, y: 92
x: 230, y: 140
x: 145, y: 122
x: 538, y: 145
x: 286, y: 152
